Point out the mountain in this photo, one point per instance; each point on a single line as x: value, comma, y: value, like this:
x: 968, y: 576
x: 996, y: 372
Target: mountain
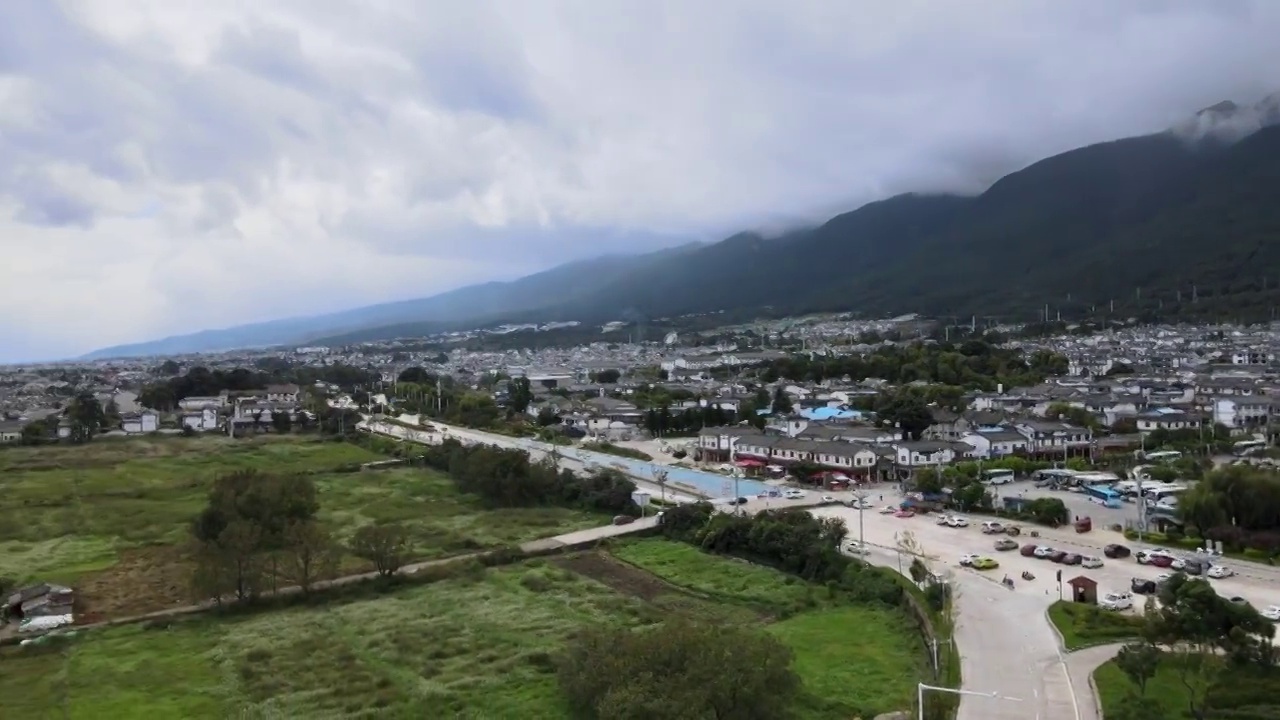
x: 411, y: 317
x: 1181, y: 223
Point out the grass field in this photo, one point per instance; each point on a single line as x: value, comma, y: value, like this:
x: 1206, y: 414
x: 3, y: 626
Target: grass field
x: 851, y: 658
x: 111, y: 518
x: 479, y: 644
x: 1247, y: 693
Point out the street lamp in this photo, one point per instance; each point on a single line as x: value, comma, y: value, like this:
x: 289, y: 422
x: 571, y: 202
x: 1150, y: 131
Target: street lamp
x: 921, y: 687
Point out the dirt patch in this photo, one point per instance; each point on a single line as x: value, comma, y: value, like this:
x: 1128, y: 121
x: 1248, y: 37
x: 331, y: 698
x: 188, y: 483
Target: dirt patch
x: 144, y: 580
x: 618, y: 576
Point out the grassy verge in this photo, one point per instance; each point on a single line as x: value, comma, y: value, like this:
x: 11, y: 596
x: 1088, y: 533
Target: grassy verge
x: 1239, y: 693
x: 611, y: 449
x: 1084, y: 625
x: 112, y: 519
x: 1187, y: 543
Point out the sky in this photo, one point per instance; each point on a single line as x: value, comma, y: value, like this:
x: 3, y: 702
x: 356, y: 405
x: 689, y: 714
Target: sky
x: 169, y: 166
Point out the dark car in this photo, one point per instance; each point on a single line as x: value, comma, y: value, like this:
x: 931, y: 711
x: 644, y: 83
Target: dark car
x: 1028, y: 550
x: 1143, y: 587
x: 1116, y: 551
x: 1071, y: 559
x: 739, y: 501
x: 623, y: 520
x: 1161, y: 561
x: 1057, y: 556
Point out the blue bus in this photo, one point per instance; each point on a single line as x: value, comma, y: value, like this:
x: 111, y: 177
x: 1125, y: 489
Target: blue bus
x: 1109, y: 497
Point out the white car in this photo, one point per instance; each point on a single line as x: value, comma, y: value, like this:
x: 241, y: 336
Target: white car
x: 957, y: 521
x: 943, y: 520
x: 1272, y: 613
x: 1116, y: 601
x: 853, y: 547
x: 888, y: 510
x: 828, y: 498
x: 863, y: 504
x: 967, y: 559
x: 795, y: 494
x: 1218, y: 572
x: 1091, y: 562
x: 1178, y: 564
x: 1163, y: 578
x: 1043, y: 551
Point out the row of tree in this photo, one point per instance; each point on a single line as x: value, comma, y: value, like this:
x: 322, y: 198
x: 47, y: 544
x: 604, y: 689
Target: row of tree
x: 200, y: 381
x: 790, y: 540
x: 1238, y: 505
x: 972, y: 364
x: 507, y: 477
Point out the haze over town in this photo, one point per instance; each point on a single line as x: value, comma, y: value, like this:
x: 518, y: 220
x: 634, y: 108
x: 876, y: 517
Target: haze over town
x: 181, y: 166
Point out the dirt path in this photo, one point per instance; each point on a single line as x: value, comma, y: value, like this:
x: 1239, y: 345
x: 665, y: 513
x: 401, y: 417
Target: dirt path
x: 535, y: 546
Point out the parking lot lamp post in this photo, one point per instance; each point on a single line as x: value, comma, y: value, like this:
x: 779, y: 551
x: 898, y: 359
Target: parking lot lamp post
x: 921, y: 687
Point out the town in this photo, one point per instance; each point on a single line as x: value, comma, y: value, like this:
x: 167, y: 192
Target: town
x: 1132, y: 433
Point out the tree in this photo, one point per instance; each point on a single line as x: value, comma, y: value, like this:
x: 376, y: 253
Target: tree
x: 781, y: 401
x: 311, y: 554
x: 679, y: 670
x: 907, y: 411
x: 520, y: 395
x: 281, y: 421
x: 243, y: 527
x: 385, y: 545
x: 86, y: 416
x: 608, y: 377
x: 1138, y: 661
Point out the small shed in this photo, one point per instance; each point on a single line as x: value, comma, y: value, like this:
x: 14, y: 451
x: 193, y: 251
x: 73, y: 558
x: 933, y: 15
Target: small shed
x: 1084, y: 590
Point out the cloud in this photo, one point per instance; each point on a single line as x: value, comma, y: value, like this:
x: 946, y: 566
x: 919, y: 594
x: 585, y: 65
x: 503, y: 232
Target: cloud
x: 178, y: 165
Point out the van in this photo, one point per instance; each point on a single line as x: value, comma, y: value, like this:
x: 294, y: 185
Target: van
x: 991, y: 527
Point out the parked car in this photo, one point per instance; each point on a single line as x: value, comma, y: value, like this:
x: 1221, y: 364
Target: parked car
x: 957, y: 521
x: 1217, y: 572
x: 1057, y: 556
x: 828, y: 499
x: 1004, y: 544
x: 795, y: 494
x: 623, y: 520
x: 991, y: 527
x: 1237, y: 600
x: 1043, y: 551
x: 1116, y: 551
x: 1272, y: 613
x: 1028, y: 550
x: 905, y: 514
x: 942, y: 519
x: 1116, y: 601
x: 967, y: 559
x: 1091, y: 562
x: 1143, y: 587
x: 739, y: 501
x: 888, y: 510
x: 1071, y: 559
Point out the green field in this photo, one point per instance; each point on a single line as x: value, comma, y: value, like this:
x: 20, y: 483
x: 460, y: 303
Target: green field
x: 112, y: 517
x: 1246, y: 693
x: 477, y: 644
x: 850, y: 657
